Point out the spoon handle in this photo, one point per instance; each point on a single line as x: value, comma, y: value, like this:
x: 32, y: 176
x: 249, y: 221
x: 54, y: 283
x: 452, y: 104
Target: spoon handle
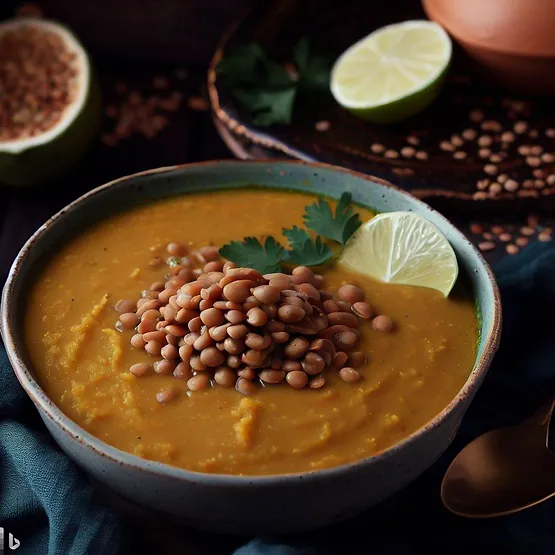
x: 550, y: 437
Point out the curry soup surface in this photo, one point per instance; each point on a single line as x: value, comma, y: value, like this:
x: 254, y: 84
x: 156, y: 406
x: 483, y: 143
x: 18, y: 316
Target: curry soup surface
x: 82, y: 361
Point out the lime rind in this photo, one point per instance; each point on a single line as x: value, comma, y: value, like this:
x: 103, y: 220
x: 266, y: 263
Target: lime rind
x: 402, y: 248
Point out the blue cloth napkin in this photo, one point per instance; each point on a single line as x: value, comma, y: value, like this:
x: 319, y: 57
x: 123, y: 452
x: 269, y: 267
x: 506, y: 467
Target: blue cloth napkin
x: 47, y: 503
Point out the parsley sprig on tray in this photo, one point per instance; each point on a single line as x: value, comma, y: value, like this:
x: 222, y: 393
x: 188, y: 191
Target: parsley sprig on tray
x: 304, y: 249
x: 269, y: 90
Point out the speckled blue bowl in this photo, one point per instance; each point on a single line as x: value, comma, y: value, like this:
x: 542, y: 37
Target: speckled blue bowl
x: 243, y: 504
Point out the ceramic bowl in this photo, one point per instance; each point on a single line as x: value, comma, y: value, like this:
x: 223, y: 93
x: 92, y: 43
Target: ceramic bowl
x: 233, y: 504
x: 512, y: 41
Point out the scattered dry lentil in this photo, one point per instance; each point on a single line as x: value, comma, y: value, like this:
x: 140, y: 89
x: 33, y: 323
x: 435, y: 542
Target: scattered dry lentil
x: 322, y: 126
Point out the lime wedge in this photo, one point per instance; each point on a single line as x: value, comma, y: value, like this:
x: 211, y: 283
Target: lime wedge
x: 404, y: 248
x: 394, y: 72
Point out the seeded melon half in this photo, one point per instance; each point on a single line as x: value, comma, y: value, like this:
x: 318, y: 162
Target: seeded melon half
x: 46, y: 156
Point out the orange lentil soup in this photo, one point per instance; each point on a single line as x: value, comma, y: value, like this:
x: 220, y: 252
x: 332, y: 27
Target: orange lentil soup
x: 83, y: 361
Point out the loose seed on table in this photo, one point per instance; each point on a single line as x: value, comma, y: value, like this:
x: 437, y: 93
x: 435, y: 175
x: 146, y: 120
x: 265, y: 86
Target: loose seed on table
x: 140, y: 369
x: 199, y: 382
x: 297, y: 379
x: 349, y: 375
x: 383, y: 323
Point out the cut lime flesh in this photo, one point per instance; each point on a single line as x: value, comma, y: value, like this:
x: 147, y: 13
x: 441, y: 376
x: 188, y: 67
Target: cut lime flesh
x: 394, y: 72
x: 402, y: 248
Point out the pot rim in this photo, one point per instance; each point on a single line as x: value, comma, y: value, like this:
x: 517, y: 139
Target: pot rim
x: 100, y: 448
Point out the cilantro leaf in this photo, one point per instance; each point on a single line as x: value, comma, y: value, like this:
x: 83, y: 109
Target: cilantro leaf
x: 251, y: 253
x: 268, y: 107
x: 319, y: 218
x: 264, y: 88
x: 305, y: 250
x: 242, y: 63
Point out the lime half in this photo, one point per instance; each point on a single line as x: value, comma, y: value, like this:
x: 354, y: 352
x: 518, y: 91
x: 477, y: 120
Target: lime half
x: 404, y: 248
x: 394, y: 72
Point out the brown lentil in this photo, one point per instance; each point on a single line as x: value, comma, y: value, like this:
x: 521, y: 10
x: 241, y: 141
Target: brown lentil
x: 349, y: 375
x: 140, y: 369
x: 297, y: 379
x: 246, y: 387
x: 383, y: 323
x: 199, y: 382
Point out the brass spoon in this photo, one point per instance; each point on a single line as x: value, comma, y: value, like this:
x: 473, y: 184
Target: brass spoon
x: 504, y: 471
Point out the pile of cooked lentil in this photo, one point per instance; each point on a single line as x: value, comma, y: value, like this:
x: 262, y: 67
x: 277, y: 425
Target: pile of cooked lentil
x: 38, y: 80
x: 213, y: 324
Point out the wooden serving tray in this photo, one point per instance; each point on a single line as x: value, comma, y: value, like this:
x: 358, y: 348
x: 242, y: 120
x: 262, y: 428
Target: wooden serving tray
x: 475, y: 143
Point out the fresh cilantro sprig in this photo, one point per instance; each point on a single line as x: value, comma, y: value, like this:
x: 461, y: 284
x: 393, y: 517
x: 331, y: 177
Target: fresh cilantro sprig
x: 339, y: 227
x: 268, y: 90
x: 251, y: 253
x: 304, y: 249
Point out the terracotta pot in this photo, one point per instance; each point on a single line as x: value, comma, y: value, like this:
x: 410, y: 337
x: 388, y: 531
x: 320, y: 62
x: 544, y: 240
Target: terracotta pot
x: 512, y: 41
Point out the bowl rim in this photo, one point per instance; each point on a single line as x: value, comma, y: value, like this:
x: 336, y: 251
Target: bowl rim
x: 49, y: 409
